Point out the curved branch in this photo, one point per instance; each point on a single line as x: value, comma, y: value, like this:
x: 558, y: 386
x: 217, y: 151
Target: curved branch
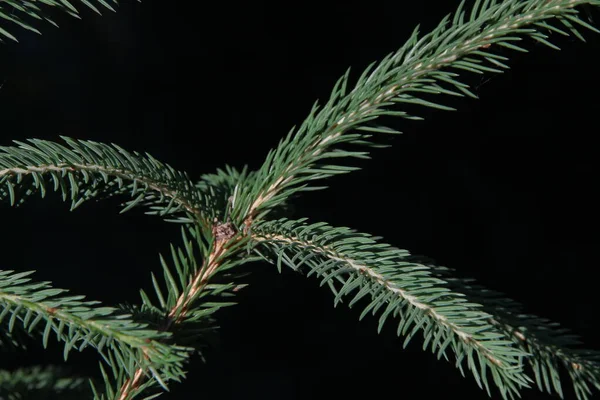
x: 121, y: 342
x: 400, y: 287
x: 551, y: 347
x: 89, y: 169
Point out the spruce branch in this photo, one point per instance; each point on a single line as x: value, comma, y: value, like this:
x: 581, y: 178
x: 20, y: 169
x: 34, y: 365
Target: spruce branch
x: 224, y: 215
x: 421, y: 68
x: 123, y: 343
x: 353, y: 262
x: 343, y: 257
x: 88, y: 169
x: 24, y: 12
x: 552, y: 348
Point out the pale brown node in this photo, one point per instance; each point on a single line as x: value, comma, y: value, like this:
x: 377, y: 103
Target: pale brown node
x: 223, y: 231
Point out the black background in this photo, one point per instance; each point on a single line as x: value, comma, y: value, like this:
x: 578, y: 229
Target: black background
x: 501, y: 190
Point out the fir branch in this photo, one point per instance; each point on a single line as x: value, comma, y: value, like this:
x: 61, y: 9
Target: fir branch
x: 88, y: 169
x: 422, y: 67
x: 24, y: 12
x: 123, y: 344
x: 400, y: 288
x: 552, y: 347
x: 226, y: 210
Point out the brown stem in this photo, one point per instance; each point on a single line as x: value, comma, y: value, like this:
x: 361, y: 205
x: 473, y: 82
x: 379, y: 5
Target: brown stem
x: 222, y: 233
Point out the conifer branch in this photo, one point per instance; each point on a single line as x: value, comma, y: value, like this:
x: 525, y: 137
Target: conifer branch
x: 224, y: 214
x: 89, y: 170
x: 333, y: 253
x: 552, y: 348
x: 122, y: 343
x: 400, y: 288
x: 466, y: 41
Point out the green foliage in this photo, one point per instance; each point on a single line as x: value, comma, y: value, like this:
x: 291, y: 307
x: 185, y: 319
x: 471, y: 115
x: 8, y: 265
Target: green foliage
x: 351, y: 262
x: 146, y: 345
x: 553, y: 348
x: 424, y: 67
x: 125, y: 345
x: 87, y: 169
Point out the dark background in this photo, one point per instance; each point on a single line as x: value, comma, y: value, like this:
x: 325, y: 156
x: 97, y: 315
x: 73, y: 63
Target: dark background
x: 501, y: 190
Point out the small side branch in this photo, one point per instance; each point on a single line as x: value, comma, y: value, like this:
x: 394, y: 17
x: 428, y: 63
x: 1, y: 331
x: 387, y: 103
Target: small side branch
x: 224, y: 236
